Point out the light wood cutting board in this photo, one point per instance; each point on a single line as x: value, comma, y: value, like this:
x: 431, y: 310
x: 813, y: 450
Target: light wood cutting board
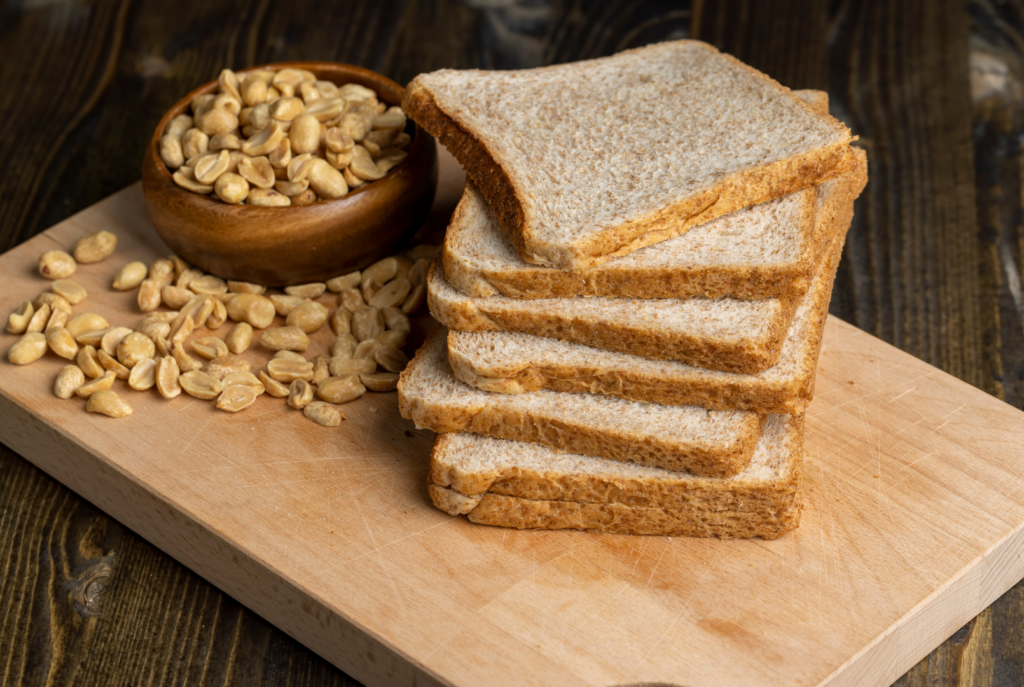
x: 915, y: 507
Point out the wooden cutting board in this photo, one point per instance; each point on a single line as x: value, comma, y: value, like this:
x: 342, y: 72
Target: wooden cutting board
x: 913, y: 524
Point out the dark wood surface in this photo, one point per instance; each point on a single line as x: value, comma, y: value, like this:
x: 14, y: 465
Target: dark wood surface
x: 934, y: 89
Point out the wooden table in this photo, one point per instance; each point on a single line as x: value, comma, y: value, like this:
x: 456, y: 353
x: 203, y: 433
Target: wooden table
x: 934, y: 89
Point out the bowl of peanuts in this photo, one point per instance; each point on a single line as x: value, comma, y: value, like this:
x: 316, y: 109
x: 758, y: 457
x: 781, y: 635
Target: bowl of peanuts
x: 289, y: 173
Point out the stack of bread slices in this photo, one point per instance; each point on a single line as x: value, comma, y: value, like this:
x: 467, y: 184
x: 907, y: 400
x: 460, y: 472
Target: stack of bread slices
x: 632, y: 290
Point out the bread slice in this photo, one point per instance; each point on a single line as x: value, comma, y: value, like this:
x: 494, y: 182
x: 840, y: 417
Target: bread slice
x: 763, y: 251
x: 514, y: 363
x: 588, y: 161
x: 720, y: 334
x: 711, y: 443
x: 513, y: 484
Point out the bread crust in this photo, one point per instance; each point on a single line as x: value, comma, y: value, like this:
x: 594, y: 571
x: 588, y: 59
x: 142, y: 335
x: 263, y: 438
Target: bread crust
x: 739, y: 189
x: 617, y: 518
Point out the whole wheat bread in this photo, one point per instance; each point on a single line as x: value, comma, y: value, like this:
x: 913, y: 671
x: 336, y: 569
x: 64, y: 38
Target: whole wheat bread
x: 506, y: 362
x: 721, y: 334
x: 513, y: 484
x: 705, y: 442
x: 587, y: 161
x: 768, y: 250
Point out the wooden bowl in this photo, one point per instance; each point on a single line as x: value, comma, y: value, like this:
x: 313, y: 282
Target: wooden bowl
x: 295, y: 245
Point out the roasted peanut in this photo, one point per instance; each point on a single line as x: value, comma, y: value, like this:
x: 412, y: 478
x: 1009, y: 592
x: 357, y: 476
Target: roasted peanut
x: 171, y: 152
x: 289, y: 355
x: 423, y: 251
x: 280, y: 156
x: 107, y: 402
x: 150, y: 295
x: 345, y: 281
x: 61, y: 342
x: 88, y: 362
x: 69, y: 379
x: 143, y: 375
x: 185, y: 177
x: 308, y: 317
x: 95, y: 247
x: 111, y: 364
x: 367, y: 323
x: 257, y: 171
x: 380, y: 381
x: 175, y: 297
x: 299, y: 167
x: 313, y: 290
x: 235, y: 398
x: 38, y: 321
x: 220, y: 368
x: 391, y: 294
x: 56, y: 264
x: 307, y: 197
x: 346, y: 367
x: 351, y: 300
x: 264, y: 142
x: 218, y: 315
x: 390, y: 358
x: 167, y: 376
x: 326, y: 180
x: 112, y: 338
x: 321, y: 368
x: 133, y: 348
x: 286, y: 338
x: 305, y: 134
x: 254, y: 309
x: 300, y: 393
x: 154, y: 329
x: 324, y: 414
x: 366, y: 349
x: 357, y: 122
x: 245, y: 287
x: 217, y: 120
x: 244, y: 379
x: 291, y: 188
x: 28, y: 349
x: 340, y: 389
x: 186, y: 363
x: 388, y: 159
x: 394, y: 337
x: 58, y: 318
x: 211, y: 166
x: 85, y: 322
x: 267, y: 198
x: 287, y: 371
x: 418, y: 272
x: 92, y: 338
x: 162, y: 272
x: 101, y: 383
x: 285, y: 304
x: 231, y: 188
x: 18, y: 320
x: 273, y: 387
x: 344, y: 346
x: 239, y: 338
x: 341, y: 321
x: 200, y: 385
x: 210, y: 347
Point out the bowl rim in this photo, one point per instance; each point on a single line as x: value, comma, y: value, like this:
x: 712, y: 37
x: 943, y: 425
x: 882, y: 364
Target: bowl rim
x: 164, y: 175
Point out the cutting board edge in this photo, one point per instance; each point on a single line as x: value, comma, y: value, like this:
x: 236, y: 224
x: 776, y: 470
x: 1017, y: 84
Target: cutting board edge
x: 141, y: 510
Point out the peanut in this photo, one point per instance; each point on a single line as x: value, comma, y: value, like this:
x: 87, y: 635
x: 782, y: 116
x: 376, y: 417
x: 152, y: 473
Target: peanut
x: 300, y: 393
x: 18, y: 320
x: 95, y: 247
x: 285, y: 339
x: 235, y: 398
x: 143, y: 375
x: 28, y: 349
x: 253, y: 309
x: 107, y: 402
x: 101, y: 383
x: 314, y: 290
x: 346, y: 367
x: 219, y: 368
x: 200, y: 385
x: 239, y: 338
x: 244, y: 379
x: 308, y: 317
x: 69, y: 291
x: 167, y: 375
x: 345, y: 281
x: 61, y: 342
x: 340, y: 389
x: 88, y: 362
x: 273, y: 387
x: 324, y: 414
x: 133, y: 348
x: 380, y: 381
x: 79, y: 324
x: 68, y: 380
x: 56, y: 264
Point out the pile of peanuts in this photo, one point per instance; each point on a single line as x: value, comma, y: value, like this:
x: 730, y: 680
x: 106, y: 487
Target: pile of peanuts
x: 281, y: 138
x: 170, y: 351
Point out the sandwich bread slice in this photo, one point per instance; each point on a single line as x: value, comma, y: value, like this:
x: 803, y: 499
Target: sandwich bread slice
x: 512, y: 484
x: 592, y: 160
x: 719, y: 334
x: 768, y: 250
x: 711, y: 443
x: 514, y: 363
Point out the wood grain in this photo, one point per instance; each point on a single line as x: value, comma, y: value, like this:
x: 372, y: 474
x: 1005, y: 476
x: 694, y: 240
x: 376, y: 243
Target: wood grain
x: 84, y: 83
